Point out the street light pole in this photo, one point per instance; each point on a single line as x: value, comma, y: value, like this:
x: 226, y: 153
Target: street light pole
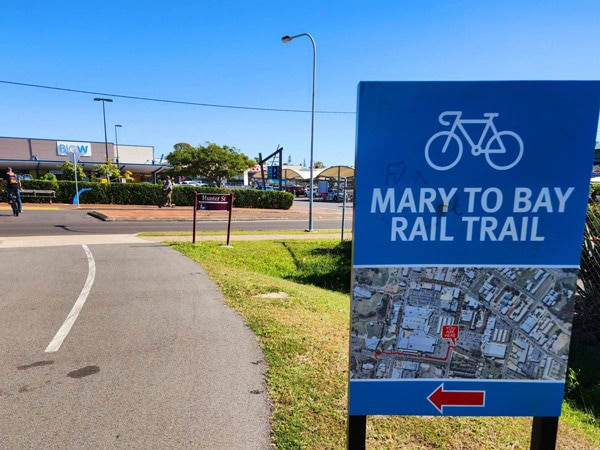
x: 117, y: 142
x: 104, y: 100
x: 285, y: 40
x: 75, y: 158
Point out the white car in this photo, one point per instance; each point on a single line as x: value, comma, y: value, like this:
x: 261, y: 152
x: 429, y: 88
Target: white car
x: 192, y: 183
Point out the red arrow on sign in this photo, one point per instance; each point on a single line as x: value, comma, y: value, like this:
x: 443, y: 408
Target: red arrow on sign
x: 440, y: 398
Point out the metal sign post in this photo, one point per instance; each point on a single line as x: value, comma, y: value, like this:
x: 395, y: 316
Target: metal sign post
x: 344, y: 206
x: 543, y: 433
x: 274, y: 172
x: 213, y: 202
x: 75, y: 158
x: 357, y: 432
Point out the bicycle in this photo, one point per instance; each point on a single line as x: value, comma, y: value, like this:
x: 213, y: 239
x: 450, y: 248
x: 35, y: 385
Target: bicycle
x: 12, y: 199
x: 498, y: 155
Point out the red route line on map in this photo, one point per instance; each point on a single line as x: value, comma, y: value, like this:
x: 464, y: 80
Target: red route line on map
x: 412, y: 355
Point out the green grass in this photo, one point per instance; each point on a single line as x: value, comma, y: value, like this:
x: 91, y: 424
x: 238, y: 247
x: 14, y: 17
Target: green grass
x: 583, y: 383
x: 304, y: 338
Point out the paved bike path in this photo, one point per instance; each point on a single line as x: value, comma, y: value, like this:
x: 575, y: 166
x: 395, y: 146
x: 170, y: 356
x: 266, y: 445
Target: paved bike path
x: 177, y: 368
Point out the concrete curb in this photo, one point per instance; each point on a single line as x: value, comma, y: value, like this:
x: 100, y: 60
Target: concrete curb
x: 101, y: 239
x: 110, y: 218
x: 248, y: 237
x: 150, y: 216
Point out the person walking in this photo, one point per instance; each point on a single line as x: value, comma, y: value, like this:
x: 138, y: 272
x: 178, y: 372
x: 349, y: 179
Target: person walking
x: 168, y: 189
x: 13, y: 187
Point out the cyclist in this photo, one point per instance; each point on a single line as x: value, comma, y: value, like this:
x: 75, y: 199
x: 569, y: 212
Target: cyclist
x: 13, y: 187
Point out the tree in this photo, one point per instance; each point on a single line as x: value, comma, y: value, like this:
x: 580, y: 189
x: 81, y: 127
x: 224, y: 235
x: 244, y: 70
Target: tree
x: 210, y: 161
x: 49, y: 176
x: 319, y: 165
x: 128, y: 175
x: 68, y: 171
x: 109, y: 168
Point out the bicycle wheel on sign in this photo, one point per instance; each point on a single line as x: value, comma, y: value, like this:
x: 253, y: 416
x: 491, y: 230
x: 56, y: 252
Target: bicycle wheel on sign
x: 504, y: 150
x: 443, y: 150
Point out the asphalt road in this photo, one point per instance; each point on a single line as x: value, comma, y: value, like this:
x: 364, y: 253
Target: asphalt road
x: 64, y: 222
x: 153, y: 359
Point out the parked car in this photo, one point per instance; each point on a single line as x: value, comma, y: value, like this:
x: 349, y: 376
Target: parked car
x: 298, y: 191
x: 191, y: 183
x: 335, y: 196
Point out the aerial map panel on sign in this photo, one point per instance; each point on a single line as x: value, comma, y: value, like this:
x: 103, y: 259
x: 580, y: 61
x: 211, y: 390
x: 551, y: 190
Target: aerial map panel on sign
x: 469, y: 213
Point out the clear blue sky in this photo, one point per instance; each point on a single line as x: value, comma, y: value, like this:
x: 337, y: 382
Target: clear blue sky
x: 230, y: 53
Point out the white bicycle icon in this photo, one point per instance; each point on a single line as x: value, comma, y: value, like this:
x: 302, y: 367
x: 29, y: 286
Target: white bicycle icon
x: 502, y: 150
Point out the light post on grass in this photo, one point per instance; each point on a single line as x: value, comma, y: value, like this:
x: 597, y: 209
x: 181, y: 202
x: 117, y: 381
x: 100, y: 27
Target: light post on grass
x: 104, y: 100
x: 285, y: 40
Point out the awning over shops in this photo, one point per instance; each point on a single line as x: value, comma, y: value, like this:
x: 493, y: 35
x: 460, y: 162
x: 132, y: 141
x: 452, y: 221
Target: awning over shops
x: 290, y: 174
x: 332, y: 174
x: 46, y: 165
x: 293, y: 174
x: 336, y: 173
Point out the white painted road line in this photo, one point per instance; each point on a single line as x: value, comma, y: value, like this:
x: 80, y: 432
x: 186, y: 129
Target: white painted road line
x: 55, y: 241
x: 72, y: 317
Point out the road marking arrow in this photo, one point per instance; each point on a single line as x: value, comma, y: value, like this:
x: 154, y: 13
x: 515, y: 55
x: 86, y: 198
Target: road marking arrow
x: 440, y: 398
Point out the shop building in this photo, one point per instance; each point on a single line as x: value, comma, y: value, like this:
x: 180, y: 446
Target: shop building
x: 35, y: 157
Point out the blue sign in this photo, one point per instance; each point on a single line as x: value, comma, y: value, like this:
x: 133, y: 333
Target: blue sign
x: 470, y: 204
x: 75, y: 148
x: 273, y: 172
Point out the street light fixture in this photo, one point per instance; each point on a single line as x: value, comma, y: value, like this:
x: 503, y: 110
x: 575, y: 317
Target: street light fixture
x: 285, y: 40
x: 117, y: 142
x: 104, y: 100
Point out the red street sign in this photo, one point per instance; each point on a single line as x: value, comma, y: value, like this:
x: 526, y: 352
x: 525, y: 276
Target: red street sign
x: 440, y: 398
x: 213, y: 202
x: 223, y: 202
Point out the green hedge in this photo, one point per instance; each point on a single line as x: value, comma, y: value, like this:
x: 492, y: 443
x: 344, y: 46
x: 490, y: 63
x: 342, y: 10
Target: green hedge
x: 255, y: 198
x: 152, y: 194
